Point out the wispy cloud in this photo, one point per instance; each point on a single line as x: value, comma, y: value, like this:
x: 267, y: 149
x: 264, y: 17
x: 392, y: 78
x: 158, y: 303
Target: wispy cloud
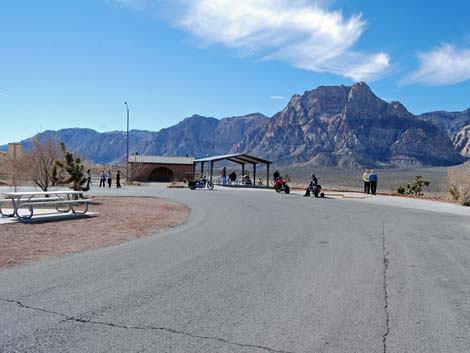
x: 3, y: 94
x: 277, y: 97
x: 444, y: 65
x: 303, y: 33
x: 298, y: 32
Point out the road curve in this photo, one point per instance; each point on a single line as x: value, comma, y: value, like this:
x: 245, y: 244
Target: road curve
x: 253, y: 271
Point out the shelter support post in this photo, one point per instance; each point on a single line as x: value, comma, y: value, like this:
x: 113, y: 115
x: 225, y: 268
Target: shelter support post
x: 202, y: 168
x: 254, y: 174
x: 243, y: 169
x: 212, y: 171
x: 267, y: 175
x: 194, y: 171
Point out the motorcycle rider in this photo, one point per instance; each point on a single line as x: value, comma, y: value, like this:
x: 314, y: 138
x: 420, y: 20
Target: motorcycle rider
x: 312, y: 185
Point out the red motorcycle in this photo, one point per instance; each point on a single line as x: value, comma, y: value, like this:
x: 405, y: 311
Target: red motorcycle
x: 280, y: 184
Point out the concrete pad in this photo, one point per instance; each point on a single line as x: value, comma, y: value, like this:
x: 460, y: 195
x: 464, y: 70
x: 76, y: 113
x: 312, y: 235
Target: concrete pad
x: 45, y: 215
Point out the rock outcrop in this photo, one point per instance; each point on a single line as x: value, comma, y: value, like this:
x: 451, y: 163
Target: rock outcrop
x: 345, y: 126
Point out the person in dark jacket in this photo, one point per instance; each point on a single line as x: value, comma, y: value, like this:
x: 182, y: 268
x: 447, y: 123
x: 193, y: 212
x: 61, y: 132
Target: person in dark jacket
x: 373, y: 178
x: 118, y: 179
x: 110, y: 178
x: 232, y: 177
x: 88, y: 179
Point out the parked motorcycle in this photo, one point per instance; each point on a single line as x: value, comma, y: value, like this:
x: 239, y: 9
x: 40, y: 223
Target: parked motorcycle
x: 201, y: 184
x: 280, y: 184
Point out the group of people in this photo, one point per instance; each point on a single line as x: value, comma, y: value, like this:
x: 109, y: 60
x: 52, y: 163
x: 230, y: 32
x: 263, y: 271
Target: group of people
x: 232, y: 177
x: 105, y: 177
x: 370, y: 179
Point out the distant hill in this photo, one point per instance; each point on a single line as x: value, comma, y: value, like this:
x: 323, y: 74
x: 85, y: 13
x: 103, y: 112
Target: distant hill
x: 345, y: 126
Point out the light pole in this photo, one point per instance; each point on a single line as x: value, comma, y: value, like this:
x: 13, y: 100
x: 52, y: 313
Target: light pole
x: 127, y: 140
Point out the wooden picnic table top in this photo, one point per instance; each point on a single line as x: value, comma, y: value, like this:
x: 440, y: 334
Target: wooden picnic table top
x: 42, y: 193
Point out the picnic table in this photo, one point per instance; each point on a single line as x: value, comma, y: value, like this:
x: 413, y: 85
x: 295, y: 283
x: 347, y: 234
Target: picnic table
x: 63, y: 201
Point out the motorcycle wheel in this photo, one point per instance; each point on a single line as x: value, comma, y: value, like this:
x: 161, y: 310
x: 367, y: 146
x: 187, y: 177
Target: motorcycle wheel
x: 277, y: 189
x: 322, y: 195
x: 287, y: 190
x: 210, y: 185
x: 192, y: 187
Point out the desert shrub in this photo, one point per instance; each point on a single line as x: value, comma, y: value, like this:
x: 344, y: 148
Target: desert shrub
x: 459, y: 185
x: 415, y: 188
x: 401, y: 190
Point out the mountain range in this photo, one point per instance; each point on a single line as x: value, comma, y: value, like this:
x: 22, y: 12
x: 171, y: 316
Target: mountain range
x: 343, y: 126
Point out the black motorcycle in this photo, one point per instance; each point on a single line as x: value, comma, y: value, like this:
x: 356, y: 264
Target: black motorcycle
x: 315, y: 189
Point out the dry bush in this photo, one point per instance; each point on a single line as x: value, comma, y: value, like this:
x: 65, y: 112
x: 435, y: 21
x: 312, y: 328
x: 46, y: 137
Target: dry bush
x: 41, y: 161
x: 14, y: 172
x: 459, y: 184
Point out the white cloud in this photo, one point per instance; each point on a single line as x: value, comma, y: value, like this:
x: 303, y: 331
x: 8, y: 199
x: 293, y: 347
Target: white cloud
x: 301, y: 33
x: 277, y: 97
x: 444, y: 65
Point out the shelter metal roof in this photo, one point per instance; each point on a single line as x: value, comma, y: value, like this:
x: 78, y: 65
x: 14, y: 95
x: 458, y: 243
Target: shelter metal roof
x: 161, y: 160
x: 237, y: 158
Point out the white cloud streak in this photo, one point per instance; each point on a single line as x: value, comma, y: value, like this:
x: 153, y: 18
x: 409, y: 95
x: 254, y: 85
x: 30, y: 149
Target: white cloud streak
x: 277, y: 97
x: 444, y: 65
x: 298, y: 32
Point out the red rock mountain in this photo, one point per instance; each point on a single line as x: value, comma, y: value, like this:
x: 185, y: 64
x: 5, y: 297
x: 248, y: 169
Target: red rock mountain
x: 345, y: 126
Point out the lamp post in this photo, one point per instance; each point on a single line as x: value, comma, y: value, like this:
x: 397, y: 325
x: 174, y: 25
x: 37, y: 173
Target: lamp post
x: 127, y: 140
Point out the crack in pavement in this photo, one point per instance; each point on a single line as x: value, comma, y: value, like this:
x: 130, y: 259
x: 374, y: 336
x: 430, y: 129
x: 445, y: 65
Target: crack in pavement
x: 153, y: 328
x: 385, y: 287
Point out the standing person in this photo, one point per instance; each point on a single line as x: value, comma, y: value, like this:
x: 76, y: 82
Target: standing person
x: 365, y: 179
x: 373, y: 178
x: 276, y: 175
x: 103, y: 179
x: 223, y: 174
x: 118, y: 179
x: 88, y: 179
x: 110, y: 178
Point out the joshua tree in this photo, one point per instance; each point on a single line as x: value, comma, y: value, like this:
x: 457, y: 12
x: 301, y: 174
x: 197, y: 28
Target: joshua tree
x: 73, y: 168
x: 415, y: 188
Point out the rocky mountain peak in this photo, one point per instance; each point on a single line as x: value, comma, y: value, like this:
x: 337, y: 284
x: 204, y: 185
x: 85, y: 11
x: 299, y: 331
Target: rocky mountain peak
x: 361, y: 93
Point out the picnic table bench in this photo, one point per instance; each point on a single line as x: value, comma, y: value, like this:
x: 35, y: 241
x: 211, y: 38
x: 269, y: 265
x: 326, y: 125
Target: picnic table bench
x: 63, y: 201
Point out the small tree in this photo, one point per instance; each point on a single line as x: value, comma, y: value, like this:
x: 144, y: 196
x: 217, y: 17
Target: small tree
x: 73, y: 170
x: 415, y: 188
x: 41, y: 162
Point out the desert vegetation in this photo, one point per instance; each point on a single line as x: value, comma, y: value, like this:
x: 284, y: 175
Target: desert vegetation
x: 47, y: 163
x: 414, y: 188
x: 459, y: 184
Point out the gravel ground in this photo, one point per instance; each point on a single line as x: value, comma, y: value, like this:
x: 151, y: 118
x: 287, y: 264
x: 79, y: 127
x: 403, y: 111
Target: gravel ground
x: 119, y: 219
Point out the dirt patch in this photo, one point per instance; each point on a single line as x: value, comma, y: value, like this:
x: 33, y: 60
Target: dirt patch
x: 120, y: 219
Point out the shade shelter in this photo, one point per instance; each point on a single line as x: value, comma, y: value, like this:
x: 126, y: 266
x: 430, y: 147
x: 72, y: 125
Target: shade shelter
x: 240, y: 158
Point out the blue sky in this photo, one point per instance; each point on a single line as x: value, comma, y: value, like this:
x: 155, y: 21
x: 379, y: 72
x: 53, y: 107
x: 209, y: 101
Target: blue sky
x: 74, y: 63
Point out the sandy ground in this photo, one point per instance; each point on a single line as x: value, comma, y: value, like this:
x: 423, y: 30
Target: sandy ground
x: 119, y: 219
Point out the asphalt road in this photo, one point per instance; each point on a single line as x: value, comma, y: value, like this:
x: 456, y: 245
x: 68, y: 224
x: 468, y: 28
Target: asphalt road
x: 253, y: 272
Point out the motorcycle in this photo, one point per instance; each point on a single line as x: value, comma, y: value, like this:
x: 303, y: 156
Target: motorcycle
x: 315, y: 189
x: 280, y: 184
x: 201, y: 184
